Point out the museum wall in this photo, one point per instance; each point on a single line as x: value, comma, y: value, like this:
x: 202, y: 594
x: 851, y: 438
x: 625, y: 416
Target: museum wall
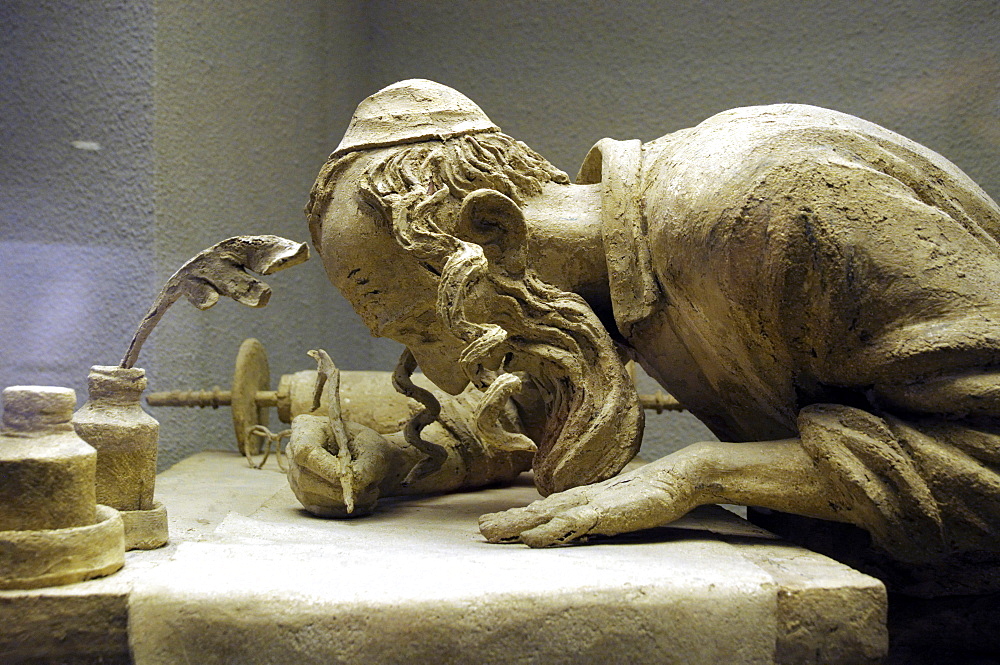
x: 77, y: 227
x: 248, y: 97
x: 212, y: 119
x: 136, y: 134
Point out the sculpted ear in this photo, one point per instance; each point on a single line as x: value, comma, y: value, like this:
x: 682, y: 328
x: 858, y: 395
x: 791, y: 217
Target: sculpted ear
x: 496, y: 223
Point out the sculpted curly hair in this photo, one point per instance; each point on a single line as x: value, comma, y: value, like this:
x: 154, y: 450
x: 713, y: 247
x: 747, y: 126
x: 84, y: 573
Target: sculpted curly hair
x: 418, y: 187
x: 595, y: 421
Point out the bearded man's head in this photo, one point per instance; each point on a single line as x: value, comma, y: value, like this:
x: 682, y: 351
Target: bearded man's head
x: 418, y: 218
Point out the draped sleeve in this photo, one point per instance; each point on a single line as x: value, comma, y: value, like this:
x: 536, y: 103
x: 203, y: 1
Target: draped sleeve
x: 822, y: 276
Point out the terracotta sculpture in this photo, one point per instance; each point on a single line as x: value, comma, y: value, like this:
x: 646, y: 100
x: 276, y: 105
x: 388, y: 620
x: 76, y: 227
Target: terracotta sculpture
x: 126, y: 439
x: 221, y: 270
x: 393, y: 448
x: 113, y: 422
x: 820, y: 291
x: 52, y: 530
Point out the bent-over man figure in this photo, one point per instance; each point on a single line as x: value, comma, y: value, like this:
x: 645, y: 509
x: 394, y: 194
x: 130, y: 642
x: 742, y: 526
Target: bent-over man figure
x: 821, y: 292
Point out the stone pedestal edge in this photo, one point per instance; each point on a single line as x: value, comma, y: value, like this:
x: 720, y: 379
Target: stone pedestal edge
x: 53, y: 557
x: 145, y: 529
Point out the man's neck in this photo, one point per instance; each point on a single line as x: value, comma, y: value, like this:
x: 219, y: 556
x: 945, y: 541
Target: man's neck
x: 565, y: 241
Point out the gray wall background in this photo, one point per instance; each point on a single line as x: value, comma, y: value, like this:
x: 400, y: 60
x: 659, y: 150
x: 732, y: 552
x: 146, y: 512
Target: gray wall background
x: 213, y: 118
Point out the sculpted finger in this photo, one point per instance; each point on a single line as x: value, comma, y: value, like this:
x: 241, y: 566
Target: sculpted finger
x: 628, y: 503
x: 308, y: 433
x: 507, y: 526
x: 563, y: 528
x: 368, y: 470
x: 322, y: 464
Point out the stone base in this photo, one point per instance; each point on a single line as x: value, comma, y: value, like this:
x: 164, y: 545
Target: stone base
x: 253, y: 579
x: 963, y: 574
x: 33, y: 559
x: 145, y: 529
x: 248, y: 577
x: 947, y: 611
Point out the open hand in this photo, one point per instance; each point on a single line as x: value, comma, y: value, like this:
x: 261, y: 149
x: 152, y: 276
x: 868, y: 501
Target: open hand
x: 647, y: 497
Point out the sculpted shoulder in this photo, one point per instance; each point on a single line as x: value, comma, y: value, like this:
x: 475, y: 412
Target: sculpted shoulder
x: 742, y: 156
x: 736, y: 146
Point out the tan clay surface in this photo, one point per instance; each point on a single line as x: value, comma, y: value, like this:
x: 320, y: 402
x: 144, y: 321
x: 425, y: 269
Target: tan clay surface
x: 52, y: 557
x: 145, y: 529
x: 124, y: 435
x: 820, y: 291
x: 248, y: 577
x: 47, y: 470
x: 217, y: 271
x: 126, y: 439
x: 52, y: 531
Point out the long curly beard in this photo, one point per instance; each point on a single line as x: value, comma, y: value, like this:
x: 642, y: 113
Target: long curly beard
x: 519, y: 329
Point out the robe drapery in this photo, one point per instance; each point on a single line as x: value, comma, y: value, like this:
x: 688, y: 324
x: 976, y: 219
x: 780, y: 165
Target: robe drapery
x: 792, y: 271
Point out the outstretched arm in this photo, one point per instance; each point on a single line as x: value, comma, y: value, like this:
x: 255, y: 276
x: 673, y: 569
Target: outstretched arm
x: 772, y: 474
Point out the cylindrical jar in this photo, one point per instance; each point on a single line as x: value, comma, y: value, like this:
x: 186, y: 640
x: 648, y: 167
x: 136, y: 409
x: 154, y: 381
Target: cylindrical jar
x: 125, y: 436
x: 46, y: 470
